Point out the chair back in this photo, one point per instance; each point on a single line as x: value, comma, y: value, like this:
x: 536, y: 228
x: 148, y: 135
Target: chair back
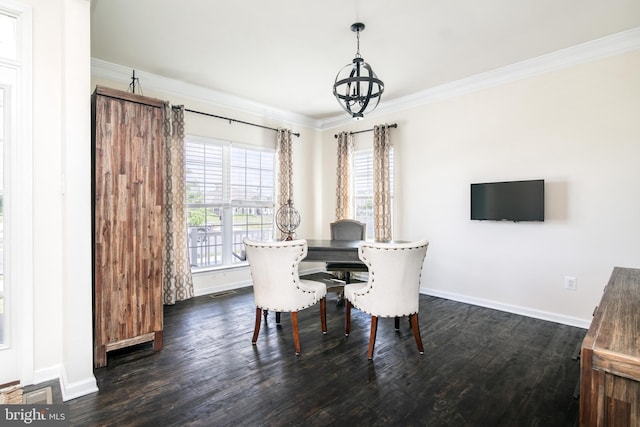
x: 393, y: 286
x: 274, y: 272
x: 348, y: 229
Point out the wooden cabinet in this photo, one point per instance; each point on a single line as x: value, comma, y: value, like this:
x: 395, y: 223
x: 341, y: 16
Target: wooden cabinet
x: 127, y: 191
x: 610, y: 355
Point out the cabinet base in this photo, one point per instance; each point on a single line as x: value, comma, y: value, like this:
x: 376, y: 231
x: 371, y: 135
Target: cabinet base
x: 100, y: 356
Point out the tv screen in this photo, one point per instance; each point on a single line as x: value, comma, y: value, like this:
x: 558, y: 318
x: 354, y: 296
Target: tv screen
x: 508, y: 201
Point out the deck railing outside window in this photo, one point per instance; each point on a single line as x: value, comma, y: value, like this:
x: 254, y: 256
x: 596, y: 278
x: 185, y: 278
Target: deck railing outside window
x: 205, y: 245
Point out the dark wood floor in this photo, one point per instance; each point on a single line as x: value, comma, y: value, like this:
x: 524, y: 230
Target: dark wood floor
x: 481, y: 367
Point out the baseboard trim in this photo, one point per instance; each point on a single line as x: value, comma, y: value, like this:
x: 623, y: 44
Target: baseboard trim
x: 47, y: 374
x: 229, y: 286
x: 69, y: 390
x: 523, y: 311
x: 77, y: 389
x: 221, y: 288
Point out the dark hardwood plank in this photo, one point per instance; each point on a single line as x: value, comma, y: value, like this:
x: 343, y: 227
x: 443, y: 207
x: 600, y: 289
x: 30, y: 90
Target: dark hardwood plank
x: 481, y: 367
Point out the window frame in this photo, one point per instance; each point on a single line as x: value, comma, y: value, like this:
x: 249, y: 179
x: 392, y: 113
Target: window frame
x: 239, y: 212
x: 16, y: 354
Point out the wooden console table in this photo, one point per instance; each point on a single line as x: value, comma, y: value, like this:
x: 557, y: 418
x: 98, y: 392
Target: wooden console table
x: 610, y: 355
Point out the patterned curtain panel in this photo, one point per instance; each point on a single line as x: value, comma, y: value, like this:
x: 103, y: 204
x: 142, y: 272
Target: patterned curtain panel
x: 381, y: 189
x: 285, y: 169
x: 177, y: 280
x: 343, y: 187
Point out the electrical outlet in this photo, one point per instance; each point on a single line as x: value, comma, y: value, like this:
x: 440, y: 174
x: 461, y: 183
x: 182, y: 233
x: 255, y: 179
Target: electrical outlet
x: 570, y: 283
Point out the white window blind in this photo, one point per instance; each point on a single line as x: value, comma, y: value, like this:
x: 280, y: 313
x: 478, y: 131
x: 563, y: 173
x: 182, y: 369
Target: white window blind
x: 230, y: 195
x: 363, y: 186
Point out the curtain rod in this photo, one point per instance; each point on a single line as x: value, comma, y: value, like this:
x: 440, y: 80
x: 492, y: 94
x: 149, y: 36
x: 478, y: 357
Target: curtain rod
x: 232, y: 120
x: 395, y: 125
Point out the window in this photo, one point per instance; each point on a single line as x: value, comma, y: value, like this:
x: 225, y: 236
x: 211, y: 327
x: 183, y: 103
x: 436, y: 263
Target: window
x: 230, y: 195
x: 363, y: 182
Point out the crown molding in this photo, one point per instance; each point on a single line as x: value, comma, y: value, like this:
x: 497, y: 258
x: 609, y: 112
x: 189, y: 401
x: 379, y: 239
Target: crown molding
x: 615, y: 44
x: 122, y: 74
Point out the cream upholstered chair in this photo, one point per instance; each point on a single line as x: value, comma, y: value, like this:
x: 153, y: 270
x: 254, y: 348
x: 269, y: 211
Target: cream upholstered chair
x: 277, y: 285
x: 393, y: 287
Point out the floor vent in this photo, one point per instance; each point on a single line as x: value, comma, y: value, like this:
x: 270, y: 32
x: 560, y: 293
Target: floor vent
x: 222, y: 294
x: 38, y: 397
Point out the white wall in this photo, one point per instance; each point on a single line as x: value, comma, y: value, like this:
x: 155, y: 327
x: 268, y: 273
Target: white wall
x: 47, y: 206
x: 76, y: 377
x: 579, y: 129
x: 61, y: 303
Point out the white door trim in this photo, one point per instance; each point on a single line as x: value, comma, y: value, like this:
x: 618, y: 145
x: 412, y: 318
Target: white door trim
x: 21, y: 190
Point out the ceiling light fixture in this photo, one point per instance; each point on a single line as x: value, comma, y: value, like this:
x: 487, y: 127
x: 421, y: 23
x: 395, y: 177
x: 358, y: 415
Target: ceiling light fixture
x: 357, y: 88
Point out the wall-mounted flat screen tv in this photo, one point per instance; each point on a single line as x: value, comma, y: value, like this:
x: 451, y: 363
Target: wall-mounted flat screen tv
x: 508, y: 201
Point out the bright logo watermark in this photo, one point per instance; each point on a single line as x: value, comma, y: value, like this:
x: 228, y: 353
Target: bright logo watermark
x: 34, y: 415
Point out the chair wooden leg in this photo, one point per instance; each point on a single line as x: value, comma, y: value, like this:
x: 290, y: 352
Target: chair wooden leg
x: 372, y: 336
x: 416, y: 331
x: 277, y: 317
x: 347, y: 317
x: 323, y: 314
x: 294, y: 323
x: 397, y: 323
x: 256, y: 328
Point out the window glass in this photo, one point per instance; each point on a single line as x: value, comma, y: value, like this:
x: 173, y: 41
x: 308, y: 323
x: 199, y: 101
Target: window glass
x: 363, y: 187
x: 8, y: 38
x: 230, y: 195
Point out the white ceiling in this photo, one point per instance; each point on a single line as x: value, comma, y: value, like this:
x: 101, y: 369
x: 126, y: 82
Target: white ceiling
x: 286, y: 53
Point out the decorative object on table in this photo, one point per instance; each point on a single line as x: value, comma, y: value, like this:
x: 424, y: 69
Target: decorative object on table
x: 393, y: 287
x: 357, y: 88
x: 288, y: 220
x: 277, y: 285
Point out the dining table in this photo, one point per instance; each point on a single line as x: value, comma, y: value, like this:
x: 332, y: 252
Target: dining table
x: 333, y: 250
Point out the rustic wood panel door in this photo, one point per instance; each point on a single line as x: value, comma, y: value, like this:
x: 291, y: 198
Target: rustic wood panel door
x: 128, y: 193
